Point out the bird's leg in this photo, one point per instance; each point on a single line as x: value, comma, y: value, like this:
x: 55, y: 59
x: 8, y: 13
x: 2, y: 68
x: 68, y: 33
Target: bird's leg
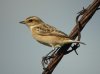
x: 49, y: 55
x: 46, y: 59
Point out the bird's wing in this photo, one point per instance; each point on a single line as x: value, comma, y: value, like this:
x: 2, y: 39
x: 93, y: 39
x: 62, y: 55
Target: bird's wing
x: 49, y: 30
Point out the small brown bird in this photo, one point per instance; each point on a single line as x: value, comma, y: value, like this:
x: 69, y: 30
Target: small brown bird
x: 46, y: 34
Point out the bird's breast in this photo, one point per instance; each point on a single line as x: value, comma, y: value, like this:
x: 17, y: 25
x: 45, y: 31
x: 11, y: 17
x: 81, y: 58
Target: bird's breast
x: 49, y: 39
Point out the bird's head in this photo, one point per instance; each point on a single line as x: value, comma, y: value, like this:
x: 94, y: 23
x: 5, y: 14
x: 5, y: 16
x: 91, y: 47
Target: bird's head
x: 31, y: 21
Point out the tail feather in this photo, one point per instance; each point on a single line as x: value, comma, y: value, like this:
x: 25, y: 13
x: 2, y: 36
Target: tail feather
x: 72, y: 41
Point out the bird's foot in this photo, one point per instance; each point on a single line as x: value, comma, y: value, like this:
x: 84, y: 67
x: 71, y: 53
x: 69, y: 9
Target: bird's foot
x: 45, y: 61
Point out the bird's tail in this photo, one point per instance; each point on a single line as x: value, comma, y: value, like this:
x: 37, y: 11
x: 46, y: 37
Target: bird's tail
x: 73, y: 41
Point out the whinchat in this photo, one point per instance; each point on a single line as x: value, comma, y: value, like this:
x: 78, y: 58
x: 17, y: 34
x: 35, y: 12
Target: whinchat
x: 46, y: 34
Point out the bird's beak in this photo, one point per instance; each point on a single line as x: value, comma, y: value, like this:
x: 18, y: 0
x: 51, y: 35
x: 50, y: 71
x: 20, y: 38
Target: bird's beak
x: 22, y: 22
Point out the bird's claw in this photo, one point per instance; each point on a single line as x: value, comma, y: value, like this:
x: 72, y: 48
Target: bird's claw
x: 45, y: 61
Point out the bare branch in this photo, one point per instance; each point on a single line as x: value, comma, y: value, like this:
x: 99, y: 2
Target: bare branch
x: 85, y: 17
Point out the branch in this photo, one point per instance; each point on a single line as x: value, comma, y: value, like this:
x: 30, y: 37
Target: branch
x: 85, y: 17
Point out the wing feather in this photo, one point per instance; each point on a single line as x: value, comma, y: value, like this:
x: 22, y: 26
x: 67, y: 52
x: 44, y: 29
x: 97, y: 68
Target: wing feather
x: 49, y: 30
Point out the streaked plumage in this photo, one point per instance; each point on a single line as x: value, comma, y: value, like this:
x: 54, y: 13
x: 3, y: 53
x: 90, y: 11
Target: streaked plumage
x: 46, y: 34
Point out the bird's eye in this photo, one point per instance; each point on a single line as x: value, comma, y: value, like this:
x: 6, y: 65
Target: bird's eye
x: 30, y: 20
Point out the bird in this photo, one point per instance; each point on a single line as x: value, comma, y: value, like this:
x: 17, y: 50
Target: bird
x: 47, y: 34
